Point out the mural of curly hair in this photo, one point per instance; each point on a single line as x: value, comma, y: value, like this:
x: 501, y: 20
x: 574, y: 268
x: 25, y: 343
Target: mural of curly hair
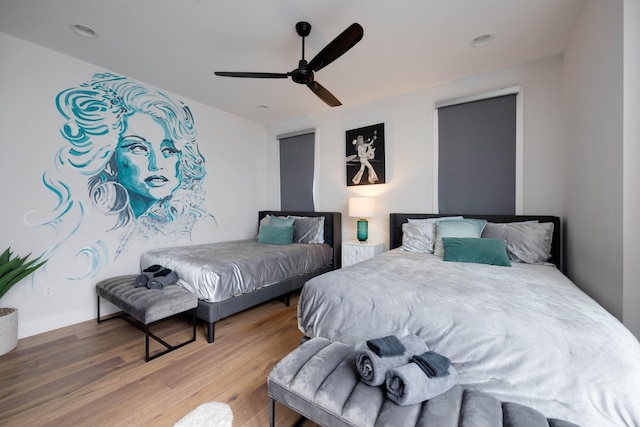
x: 137, y: 149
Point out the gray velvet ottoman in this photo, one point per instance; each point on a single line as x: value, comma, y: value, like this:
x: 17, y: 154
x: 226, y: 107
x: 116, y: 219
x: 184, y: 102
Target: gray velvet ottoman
x: 319, y: 381
x: 142, y: 306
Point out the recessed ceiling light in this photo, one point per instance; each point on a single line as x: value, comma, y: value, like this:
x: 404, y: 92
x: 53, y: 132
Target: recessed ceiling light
x: 84, y: 30
x: 482, y: 40
x: 262, y: 107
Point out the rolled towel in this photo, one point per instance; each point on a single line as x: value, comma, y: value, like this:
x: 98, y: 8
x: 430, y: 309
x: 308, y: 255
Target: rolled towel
x: 373, y: 368
x: 163, y: 278
x: 147, y: 274
x: 408, y: 384
x: 141, y: 281
x: 433, y: 364
x: 387, y: 346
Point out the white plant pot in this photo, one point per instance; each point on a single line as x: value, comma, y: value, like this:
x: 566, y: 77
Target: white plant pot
x: 8, y: 329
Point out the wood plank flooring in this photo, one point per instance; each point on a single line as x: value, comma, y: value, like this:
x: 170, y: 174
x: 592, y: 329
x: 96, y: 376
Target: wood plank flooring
x: 92, y: 374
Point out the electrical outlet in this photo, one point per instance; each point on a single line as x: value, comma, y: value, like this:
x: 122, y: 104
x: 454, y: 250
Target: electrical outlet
x: 47, y: 291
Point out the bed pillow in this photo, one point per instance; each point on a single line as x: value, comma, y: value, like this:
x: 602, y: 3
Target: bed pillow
x: 276, y: 235
x: 281, y: 221
x: 476, y: 250
x: 457, y: 228
x: 526, y: 242
x: 431, y: 220
x: 308, y: 229
x: 418, y: 236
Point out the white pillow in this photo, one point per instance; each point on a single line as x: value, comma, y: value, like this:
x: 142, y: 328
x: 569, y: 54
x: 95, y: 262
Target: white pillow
x: 308, y: 229
x: 526, y: 242
x: 418, y: 236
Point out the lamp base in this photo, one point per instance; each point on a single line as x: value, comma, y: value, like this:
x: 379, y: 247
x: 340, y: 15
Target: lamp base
x: 363, y: 230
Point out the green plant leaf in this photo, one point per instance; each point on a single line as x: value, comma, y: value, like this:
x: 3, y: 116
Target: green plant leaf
x: 13, y: 270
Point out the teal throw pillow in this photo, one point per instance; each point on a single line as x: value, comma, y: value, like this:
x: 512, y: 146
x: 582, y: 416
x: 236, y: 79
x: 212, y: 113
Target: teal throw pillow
x: 476, y: 250
x: 275, y: 235
x: 281, y: 221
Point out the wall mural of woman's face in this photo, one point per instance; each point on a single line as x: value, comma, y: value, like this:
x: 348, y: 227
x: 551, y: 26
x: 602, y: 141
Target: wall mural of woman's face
x: 147, y: 161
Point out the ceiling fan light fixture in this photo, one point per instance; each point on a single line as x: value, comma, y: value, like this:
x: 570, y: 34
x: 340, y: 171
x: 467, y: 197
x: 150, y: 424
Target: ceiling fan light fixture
x: 84, y: 31
x: 482, y: 40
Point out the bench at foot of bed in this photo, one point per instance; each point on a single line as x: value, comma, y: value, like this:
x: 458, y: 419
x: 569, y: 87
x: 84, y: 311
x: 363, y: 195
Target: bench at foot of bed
x: 319, y: 381
x: 143, y: 307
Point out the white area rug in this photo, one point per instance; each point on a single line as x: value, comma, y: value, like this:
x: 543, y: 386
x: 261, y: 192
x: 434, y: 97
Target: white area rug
x: 210, y: 414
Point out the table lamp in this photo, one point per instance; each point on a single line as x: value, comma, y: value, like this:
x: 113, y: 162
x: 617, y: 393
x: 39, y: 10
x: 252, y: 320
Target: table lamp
x: 362, y: 208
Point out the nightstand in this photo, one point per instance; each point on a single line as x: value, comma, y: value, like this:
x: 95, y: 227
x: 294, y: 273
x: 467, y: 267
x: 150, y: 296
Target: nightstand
x: 355, y: 251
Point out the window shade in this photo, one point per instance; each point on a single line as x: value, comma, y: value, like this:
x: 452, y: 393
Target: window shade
x: 477, y: 156
x: 297, y: 158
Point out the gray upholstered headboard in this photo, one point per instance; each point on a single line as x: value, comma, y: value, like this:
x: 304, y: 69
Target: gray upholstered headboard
x: 332, y: 229
x: 397, y: 219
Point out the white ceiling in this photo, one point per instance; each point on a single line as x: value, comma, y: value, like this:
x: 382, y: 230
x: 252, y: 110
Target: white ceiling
x: 407, y: 44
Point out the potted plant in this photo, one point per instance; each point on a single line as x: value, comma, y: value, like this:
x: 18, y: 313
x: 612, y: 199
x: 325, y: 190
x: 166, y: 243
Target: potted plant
x: 12, y: 270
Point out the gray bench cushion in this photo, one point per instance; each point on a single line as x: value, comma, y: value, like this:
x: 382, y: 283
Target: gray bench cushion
x: 319, y: 380
x: 146, y: 305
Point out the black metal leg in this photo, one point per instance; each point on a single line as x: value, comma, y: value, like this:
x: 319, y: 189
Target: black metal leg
x: 98, y: 299
x: 272, y: 413
x: 146, y: 342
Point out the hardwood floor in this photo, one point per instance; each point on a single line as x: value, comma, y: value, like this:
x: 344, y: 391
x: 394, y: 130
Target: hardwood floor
x: 92, y: 374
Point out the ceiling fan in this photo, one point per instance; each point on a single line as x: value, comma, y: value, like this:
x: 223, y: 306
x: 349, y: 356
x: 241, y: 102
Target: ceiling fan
x: 304, y: 73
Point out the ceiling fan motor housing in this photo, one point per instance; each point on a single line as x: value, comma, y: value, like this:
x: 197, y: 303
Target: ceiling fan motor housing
x: 301, y: 74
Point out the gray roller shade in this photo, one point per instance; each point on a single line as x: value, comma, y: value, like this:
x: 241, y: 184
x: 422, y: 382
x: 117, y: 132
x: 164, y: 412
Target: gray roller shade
x: 297, y: 172
x: 477, y: 156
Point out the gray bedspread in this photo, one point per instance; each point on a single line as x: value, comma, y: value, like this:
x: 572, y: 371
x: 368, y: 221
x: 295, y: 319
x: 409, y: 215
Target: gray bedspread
x: 524, y: 334
x: 219, y: 271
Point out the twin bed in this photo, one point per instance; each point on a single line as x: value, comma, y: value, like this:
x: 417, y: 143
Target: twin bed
x: 229, y: 277
x: 523, y: 333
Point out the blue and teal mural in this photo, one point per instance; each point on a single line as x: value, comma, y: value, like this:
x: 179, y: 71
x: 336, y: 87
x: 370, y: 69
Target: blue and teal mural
x: 134, y: 151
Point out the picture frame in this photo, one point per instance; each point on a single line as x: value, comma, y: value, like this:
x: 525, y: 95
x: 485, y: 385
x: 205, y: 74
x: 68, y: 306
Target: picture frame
x: 365, y: 155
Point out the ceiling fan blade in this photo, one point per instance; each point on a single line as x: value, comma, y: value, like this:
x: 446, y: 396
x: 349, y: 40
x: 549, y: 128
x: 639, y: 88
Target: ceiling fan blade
x: 324, y: 94
x: 337, y: 47
x: 252, y: 75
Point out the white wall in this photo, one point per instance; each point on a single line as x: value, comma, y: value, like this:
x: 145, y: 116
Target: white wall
x: 631, y: 175
x: 593, y: 86
x: 409, y: 147
x: 30, y: 78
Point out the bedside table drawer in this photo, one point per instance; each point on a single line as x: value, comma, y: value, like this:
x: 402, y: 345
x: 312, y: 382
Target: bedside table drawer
x: 354, y: 251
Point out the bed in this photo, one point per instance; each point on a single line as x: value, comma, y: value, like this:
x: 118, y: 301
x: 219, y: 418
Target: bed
x: 229, y: 277
x: 523, y: 333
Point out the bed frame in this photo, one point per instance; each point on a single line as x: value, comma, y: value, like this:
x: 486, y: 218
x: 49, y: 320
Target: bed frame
x: 211, y: 312
x: 397, y: 219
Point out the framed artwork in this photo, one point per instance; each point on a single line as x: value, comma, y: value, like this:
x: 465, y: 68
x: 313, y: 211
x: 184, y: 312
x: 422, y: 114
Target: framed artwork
x: 365, y: 155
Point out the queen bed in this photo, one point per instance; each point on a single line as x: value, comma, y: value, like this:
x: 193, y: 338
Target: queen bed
x: 522, y: 332
x: 229, y: 277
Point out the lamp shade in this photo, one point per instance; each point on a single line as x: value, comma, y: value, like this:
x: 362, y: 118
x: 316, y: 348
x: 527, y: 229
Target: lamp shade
x: 361, y: 207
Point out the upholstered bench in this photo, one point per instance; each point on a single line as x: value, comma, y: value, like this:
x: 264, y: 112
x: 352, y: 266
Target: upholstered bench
x: 147, y: 306
x: 319, y: 381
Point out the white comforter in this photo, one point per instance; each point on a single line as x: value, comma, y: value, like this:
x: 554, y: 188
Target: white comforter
x: 524, y: 333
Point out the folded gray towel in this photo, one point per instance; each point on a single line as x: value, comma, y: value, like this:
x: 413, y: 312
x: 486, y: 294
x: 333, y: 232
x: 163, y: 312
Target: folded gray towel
x: 373, y: 368
x: 142, y: 280
x: 387, y: 346
x: 163, y: 278
x: 433, y: 364
x: 408, y: 384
